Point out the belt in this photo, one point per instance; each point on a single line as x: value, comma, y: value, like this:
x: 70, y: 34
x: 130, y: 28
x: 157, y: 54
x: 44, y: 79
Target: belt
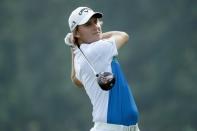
x: 114, y: 127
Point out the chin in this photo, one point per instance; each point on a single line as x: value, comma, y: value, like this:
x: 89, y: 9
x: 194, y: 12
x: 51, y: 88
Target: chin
x: 99, y: 37
x: 95, y: 39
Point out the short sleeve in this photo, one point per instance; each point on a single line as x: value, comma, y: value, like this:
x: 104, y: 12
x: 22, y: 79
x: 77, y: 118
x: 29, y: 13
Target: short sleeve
x: 114, y: 50
x: 102, y: 48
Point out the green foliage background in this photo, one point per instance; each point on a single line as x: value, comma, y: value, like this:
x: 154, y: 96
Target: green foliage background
x: 160, y: 62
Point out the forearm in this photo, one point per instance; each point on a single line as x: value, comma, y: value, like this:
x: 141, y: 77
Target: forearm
x: 120, y: 37
x: 109, y: 34
x: 73, y: 73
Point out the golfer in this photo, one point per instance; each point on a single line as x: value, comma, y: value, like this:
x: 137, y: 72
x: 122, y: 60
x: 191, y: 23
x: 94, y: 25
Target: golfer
x: 115, y: 109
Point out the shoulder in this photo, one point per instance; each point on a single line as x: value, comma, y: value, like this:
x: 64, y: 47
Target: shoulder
x: 96, y: 45
x: 102, y: 46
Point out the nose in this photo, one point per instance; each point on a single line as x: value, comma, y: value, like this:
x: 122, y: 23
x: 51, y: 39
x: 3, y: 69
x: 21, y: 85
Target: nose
x: 96, y: 26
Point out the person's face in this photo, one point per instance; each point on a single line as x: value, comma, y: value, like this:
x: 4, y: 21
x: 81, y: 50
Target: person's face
x: 89, y: 32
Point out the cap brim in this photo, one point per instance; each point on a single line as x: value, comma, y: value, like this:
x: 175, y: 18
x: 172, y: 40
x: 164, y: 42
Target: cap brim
x: 98, y: 15
x: 85, y: 20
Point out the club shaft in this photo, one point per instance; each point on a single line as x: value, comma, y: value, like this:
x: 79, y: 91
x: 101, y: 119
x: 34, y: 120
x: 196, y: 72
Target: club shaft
x: 89, y: 63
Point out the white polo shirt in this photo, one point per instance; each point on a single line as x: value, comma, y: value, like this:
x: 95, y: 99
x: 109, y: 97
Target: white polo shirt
x: 100, y: 54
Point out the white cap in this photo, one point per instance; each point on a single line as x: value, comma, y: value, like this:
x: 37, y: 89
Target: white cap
x: 80, y: 16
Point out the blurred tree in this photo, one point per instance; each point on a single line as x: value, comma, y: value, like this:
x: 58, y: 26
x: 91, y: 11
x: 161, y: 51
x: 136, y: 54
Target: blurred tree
x: 36, y: 93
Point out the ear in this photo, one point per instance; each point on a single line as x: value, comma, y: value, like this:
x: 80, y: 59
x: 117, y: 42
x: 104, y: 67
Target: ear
x: 76, y: 34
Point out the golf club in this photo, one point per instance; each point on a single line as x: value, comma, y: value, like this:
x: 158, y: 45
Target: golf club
x: 106, y: 80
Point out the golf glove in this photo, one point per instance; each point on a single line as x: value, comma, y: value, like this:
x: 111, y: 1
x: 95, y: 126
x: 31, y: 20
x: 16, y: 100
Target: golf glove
x: 68, y: 40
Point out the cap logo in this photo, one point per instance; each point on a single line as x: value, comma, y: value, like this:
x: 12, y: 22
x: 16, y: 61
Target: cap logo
x: 73, y: 24
x: 84, y: 10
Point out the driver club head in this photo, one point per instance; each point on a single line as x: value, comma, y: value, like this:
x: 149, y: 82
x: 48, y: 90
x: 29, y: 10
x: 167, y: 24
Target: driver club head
x: 106, y: 80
